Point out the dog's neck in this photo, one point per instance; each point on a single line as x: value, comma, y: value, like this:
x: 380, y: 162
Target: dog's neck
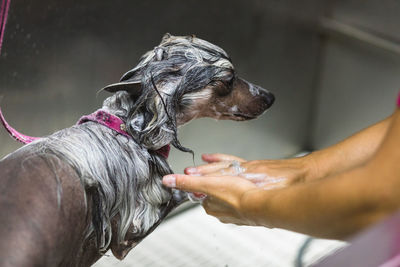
x: 107, y: 119
x: 118, y: 125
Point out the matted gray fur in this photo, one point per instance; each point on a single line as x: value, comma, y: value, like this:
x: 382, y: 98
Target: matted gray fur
x: 124, y: 177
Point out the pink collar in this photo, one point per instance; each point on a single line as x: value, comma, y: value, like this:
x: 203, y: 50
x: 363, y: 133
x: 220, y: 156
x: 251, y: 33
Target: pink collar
x: 107, y: 119
x: 100, y: 116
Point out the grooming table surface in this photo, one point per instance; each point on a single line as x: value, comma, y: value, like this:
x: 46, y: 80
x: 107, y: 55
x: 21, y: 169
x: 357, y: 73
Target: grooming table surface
x: 194, y: 239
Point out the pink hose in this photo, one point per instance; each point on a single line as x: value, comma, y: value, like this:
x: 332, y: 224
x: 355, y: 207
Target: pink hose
x: 15, y: 134
x: 5, y: 4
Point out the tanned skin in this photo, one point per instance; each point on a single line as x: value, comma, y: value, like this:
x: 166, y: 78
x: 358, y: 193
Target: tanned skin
x: 330, y: 193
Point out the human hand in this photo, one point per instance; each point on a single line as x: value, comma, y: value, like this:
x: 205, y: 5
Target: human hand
x: 264, y: 173
x: 226, y: 195
x: 235, y: 190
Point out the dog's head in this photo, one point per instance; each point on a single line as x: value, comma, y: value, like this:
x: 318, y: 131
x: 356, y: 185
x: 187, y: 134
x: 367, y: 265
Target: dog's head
x: 181, y: 79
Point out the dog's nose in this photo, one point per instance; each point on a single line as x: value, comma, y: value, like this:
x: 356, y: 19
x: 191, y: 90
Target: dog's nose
x: 270, y: 99
x: 256, y: 91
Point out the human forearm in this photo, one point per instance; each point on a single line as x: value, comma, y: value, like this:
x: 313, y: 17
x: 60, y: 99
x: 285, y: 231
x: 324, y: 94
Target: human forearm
x: 336, y: 207
x: 341, y: 204
x: 342, y: 156
x: 351, y: 152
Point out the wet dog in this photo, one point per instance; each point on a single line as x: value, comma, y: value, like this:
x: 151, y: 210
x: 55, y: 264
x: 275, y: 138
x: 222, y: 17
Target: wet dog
x: 69, y: 197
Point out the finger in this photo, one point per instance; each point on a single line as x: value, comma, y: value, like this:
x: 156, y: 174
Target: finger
x: 217, y: 157
x: 186, y: 183
x: 207, y: 168
x: 215, y: 210
x: 221, y: 212
x: 214, y: 205
x: 222, y: 187
x: 216, y: 214
x: 232, y: 220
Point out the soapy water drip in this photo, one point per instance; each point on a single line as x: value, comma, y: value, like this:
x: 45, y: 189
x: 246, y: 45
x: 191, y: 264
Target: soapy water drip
x: 259, y: 179
x: 237, y: 167
x: 263, y: 180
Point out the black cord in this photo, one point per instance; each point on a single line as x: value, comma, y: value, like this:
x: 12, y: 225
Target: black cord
x: 302, y: 250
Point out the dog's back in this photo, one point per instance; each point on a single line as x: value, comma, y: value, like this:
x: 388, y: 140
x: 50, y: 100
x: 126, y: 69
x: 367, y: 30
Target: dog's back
x: 34, y: 225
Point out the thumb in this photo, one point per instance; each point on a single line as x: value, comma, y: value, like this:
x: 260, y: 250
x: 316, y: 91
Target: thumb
x: 186, y: 183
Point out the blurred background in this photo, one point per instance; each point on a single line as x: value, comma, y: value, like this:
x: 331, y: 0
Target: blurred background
x: 333, y: 66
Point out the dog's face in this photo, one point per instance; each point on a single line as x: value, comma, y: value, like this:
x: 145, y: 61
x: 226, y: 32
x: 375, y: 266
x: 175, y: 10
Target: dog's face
x: 186, y: 78
x: 229, y: 98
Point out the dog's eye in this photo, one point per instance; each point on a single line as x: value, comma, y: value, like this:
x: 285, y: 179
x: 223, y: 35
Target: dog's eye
x: 221, y: 88
x: 183, y: 103
x: 230, y: 81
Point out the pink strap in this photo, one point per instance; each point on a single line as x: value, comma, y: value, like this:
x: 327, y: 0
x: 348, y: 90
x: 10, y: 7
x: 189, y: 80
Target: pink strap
x: 5, y: 4
x: 164, y: 151
x: 15, y: 134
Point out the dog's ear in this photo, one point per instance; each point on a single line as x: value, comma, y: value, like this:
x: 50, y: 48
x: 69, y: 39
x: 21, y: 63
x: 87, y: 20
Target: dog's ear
x: 166, y: 37
x: 121, y: 248
x: 130, y: 82
x: 159, y: 53
x: 134, y: 88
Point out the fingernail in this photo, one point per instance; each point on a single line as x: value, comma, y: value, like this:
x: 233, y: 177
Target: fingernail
x: 192, y: 170
x: 196, y: 197
x: 199, y: 195
x: 169, y: 181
